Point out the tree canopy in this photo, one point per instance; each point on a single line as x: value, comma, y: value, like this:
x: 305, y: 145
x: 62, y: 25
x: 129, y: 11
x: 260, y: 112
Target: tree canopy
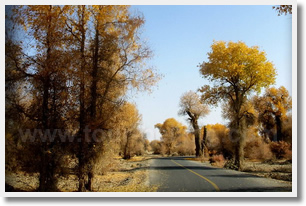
x: 190, y: 104
x: 235, y: 70
x: 170, y: 130
x: 273, y: 108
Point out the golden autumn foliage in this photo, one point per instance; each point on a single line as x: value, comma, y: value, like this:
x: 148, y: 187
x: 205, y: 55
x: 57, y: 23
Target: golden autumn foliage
x: 236, y: 71
x: 171, y: 130
x: 185, y: 145
x: 235, y: 66
x: 218, y: 140
x: 273, y: 108
x: 127, y: 123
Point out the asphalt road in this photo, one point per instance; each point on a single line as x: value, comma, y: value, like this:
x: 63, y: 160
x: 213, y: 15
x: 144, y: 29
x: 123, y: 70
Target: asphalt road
x: 176, y: 174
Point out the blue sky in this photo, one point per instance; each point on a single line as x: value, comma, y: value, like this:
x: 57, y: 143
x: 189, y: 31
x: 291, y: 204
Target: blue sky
x: 180, y: 37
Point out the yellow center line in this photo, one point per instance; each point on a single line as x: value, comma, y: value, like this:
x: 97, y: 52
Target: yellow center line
x: 212, y: 183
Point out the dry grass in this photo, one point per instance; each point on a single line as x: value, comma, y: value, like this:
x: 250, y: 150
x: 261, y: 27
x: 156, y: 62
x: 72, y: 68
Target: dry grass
x: 278, y: 169
x: 124, y: 182
x: 127, y: 176
x: 22, y: 181
x: 140, y: 158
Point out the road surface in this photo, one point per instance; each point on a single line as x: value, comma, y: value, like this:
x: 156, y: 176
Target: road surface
x: 176, y: 174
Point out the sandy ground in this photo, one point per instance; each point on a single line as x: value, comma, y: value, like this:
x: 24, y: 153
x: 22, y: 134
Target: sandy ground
x: 126, y: 177
x: 279, y: 169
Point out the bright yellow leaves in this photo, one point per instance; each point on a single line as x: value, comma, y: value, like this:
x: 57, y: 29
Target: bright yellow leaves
x: 171, y: 127
x: 171, y: 130
x: 275, y: 102
x: 235, y: 64
x: 128, y: 116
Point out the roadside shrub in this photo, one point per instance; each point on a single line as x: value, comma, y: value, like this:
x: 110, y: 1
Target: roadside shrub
x: 218, y: 139
x: 217, y: 160
x: 174, y: 154
x: 184, y: 151
x: 281, y: 150
x: 186, y: 145
x: 257, y: 149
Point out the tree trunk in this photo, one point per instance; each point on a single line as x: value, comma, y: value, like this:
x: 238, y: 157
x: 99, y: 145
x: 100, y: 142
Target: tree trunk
x: 197, y: 133
x: 127, y: 154
x: 90, y: 179
x: 239, y: 153
x: 199, y: 150
x: 46, y: 179
x: 82, y: 178
x: 43, y: 173
x: 82, y: 144
x: 279, y: 135
x: 93, y: 103
x: 204, y: 143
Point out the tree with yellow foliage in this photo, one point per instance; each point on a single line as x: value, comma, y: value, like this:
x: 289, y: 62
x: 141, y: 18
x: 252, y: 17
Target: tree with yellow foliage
x: 130, y: 120
x: 273, y: 105
x: 190, y: 104
x: 218, y: 140
x: 235, y: 70
x: 171, y: 130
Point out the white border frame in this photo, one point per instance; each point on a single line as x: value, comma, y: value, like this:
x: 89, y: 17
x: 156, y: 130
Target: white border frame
x: 160, y: 194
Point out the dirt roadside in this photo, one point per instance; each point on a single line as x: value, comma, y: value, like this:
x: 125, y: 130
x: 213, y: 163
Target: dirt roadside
x: 127, y: 176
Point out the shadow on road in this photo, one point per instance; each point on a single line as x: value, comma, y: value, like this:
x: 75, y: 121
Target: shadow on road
x: 240, y: 175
